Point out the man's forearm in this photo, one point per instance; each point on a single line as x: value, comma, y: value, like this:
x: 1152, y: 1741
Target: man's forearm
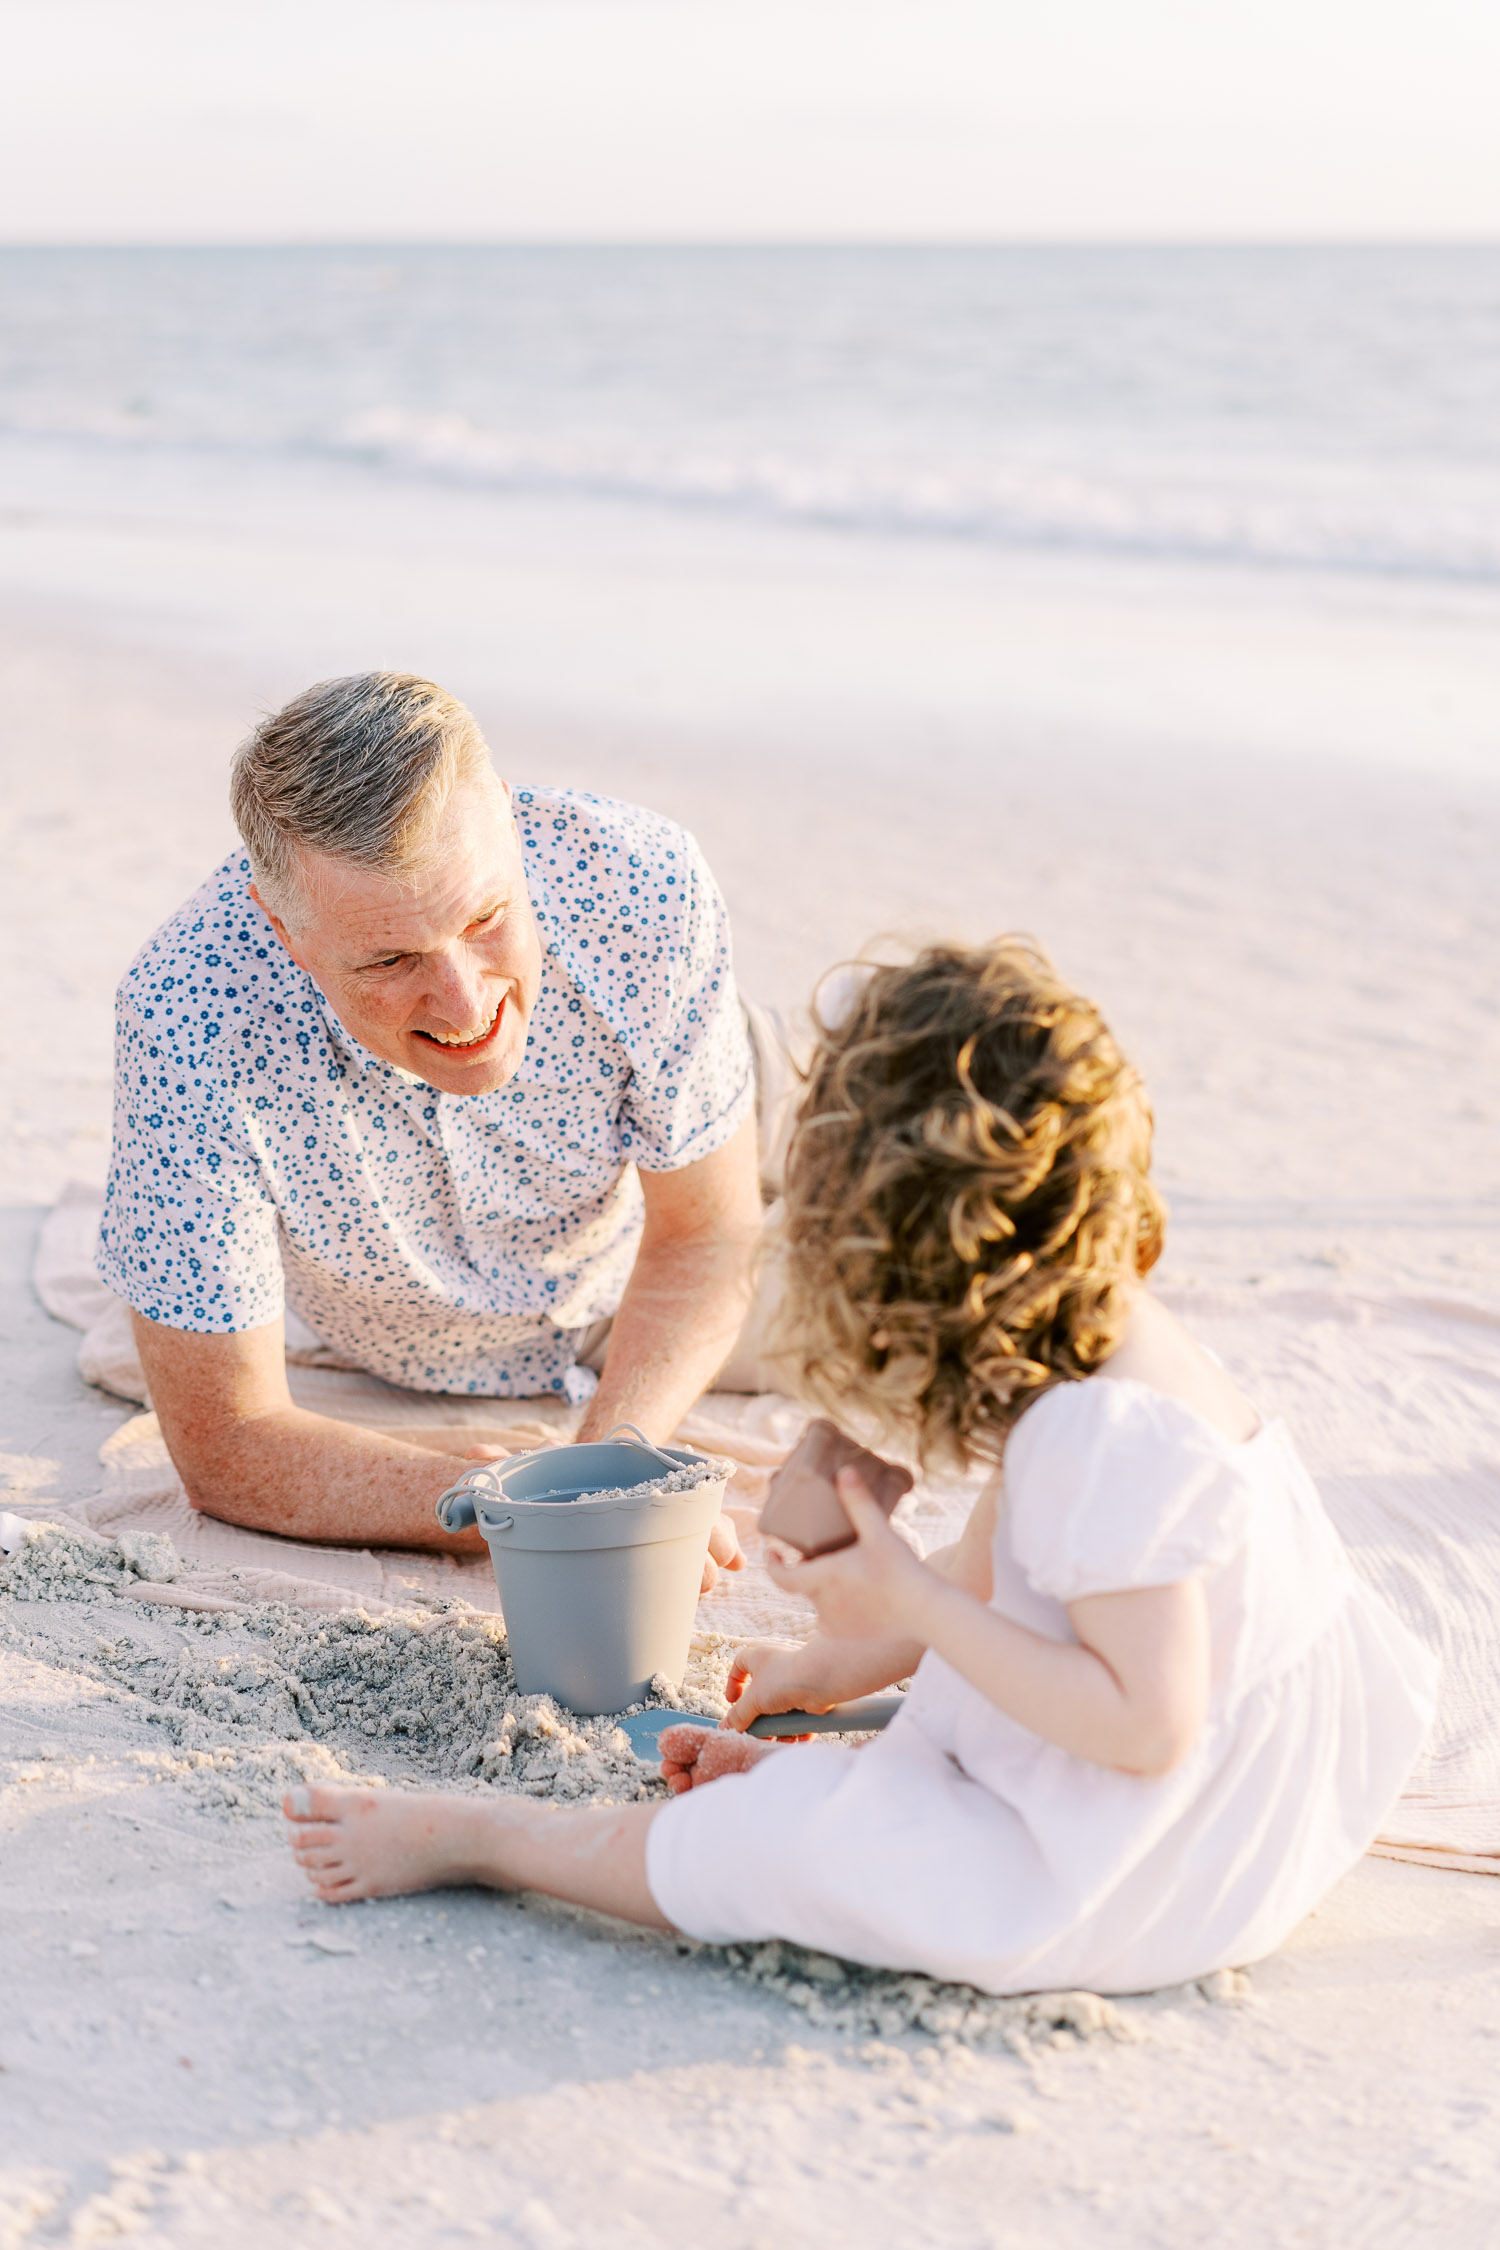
x: 307, y: 1477
x: 676, y: 1326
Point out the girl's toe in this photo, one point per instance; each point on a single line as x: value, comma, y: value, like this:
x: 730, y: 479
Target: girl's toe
x: 304, y: 1833
x: 341, y: 1889
x: 327, y: 1804
x: 324, y: 1862
x: 315, y: 1801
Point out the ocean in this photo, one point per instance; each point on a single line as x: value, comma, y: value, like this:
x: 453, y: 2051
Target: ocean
x: 1325, y: 410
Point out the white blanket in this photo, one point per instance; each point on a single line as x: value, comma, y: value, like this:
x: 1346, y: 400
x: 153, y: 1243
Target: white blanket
x: 1391, y: 1400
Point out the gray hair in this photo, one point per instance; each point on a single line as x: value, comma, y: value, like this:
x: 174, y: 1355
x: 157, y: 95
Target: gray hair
x: 359, y: 769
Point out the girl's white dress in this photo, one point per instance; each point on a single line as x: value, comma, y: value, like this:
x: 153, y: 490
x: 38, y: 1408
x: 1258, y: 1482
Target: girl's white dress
x: 962, y: 1844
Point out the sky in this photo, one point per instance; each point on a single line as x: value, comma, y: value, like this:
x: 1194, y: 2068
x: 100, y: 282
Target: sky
x: 885, y: 120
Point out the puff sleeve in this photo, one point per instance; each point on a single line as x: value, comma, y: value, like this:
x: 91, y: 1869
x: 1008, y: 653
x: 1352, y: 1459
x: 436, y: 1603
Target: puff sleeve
x: 1110, y: 1486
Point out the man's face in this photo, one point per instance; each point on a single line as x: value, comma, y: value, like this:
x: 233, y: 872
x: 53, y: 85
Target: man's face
x: 439, y: 974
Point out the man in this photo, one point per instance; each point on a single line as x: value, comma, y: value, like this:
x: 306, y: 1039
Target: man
x: 457, y: 1074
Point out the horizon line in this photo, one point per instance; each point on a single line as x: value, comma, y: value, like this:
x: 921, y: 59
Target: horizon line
x: 816, y: 243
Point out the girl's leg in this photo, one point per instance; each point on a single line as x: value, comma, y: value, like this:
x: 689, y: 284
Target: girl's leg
x: 374, y: 1843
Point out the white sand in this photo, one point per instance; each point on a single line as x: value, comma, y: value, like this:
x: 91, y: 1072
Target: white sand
x: 1167, y: 781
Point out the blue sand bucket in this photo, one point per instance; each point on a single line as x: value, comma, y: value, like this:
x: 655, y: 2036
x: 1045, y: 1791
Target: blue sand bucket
x: 599, y: 1594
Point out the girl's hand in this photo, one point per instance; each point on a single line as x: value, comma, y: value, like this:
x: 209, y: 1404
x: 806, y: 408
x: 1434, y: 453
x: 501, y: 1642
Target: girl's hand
x: 876, y: 1589
x: 772, y: 1676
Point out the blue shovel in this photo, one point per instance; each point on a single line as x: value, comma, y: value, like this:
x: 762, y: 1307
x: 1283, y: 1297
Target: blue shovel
x: 865, y: 1716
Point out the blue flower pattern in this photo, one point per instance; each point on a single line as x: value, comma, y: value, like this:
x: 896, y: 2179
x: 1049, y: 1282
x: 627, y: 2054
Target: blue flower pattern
x: 454, y: 1243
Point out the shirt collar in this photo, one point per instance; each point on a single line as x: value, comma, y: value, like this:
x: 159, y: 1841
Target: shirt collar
x: 356, y: 1050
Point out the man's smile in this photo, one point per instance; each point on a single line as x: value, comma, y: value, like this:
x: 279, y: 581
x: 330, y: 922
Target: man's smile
x: 453, y: 1045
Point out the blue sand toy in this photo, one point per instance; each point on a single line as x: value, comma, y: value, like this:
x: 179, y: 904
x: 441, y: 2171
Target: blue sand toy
x: 645, y: 1730
x: 866, y: 1716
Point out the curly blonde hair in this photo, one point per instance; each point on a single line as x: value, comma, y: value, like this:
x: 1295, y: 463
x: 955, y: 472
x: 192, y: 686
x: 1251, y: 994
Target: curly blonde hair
x: 967, y: 1198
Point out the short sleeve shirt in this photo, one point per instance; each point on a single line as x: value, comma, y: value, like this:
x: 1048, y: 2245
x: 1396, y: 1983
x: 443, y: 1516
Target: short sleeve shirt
x: 264, y: 1158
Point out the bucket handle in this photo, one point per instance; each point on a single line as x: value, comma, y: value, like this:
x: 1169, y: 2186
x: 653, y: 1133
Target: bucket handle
x: 645, y: 1445
x: 455, y: 1509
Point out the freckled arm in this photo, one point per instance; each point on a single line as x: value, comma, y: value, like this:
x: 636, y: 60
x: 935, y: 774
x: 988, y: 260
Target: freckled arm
x: 688, y: 1292
x: 247, y: 1455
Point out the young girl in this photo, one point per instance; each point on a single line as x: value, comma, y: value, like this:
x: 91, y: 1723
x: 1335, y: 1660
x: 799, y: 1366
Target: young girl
x: 1154, y: 1714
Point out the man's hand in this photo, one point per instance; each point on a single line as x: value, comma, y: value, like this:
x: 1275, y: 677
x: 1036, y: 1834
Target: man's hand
x: 723, y: 1553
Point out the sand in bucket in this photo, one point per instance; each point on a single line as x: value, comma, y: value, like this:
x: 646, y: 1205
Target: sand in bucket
x: 598, y: 1554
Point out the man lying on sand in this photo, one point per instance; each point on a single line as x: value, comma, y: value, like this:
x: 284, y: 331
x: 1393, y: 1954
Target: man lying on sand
x: 457, y: 1072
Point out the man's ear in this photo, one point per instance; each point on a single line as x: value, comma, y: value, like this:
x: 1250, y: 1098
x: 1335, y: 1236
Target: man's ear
x: 277, y: 925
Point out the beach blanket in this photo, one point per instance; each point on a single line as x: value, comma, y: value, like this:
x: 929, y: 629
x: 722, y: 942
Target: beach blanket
x: 1390, y: 1398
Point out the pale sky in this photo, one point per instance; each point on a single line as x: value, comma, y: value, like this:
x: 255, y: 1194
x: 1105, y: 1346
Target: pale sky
x: 596, y: 120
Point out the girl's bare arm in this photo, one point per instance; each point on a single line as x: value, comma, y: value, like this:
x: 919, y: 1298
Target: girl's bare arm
x: 1130, y: 1692
x: 822, y: 1671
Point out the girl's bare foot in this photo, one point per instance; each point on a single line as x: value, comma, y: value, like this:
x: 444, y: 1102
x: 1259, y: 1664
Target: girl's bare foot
x: 692, y: 1755
x: 373, y: 1843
